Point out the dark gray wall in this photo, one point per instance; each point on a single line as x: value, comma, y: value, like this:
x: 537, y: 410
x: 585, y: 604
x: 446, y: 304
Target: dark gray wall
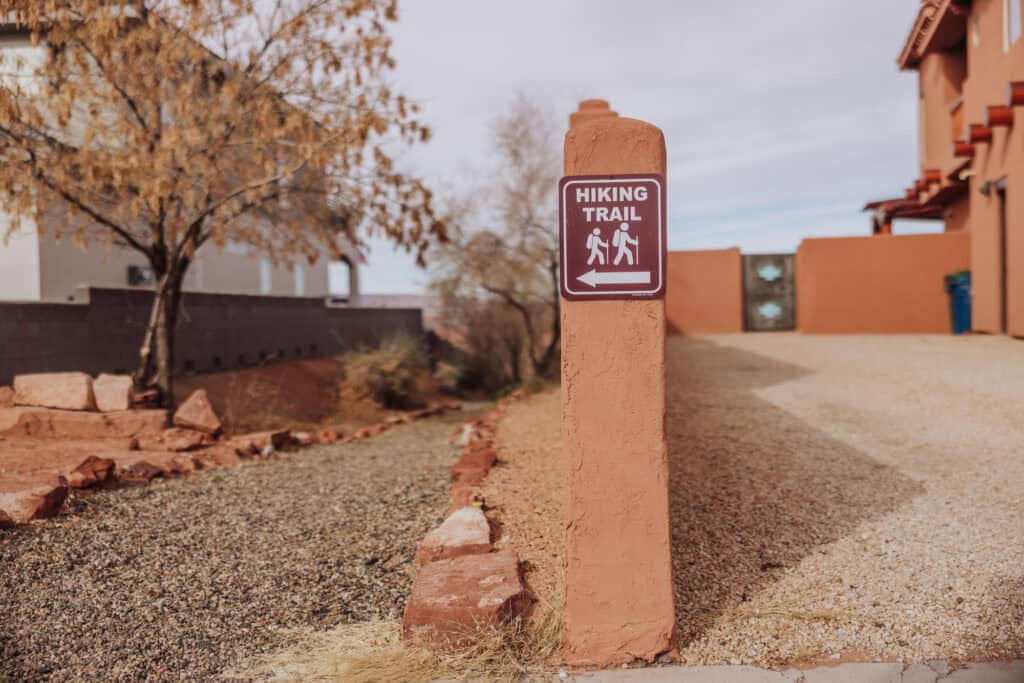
x: 215, y: 332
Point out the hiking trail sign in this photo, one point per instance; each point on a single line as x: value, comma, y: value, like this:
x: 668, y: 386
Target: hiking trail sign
x: 611, y: 232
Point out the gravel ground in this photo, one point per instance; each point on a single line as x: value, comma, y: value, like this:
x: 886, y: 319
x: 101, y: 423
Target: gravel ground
x: 833, y: 498
x: 526, y: 492
x: 186, y: 578
x: 847, y: 498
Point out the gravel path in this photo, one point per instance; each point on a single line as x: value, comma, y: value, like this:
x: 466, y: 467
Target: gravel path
x: 526, y: 490
x: 833, y: 498
x: 183, y: 579
x: 847, y: 498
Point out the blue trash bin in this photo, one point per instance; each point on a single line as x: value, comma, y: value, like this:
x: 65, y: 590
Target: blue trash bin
x: 958, y: 285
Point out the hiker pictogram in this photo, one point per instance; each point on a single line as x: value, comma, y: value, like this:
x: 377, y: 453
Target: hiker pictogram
x: 598, y: 248
x: 622, y: 240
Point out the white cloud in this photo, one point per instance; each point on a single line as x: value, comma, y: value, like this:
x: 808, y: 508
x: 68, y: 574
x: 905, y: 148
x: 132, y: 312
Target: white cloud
x: 781, y: 118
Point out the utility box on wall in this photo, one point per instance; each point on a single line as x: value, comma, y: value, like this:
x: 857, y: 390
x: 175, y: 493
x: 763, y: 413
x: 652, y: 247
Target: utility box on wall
x: 769, y: 293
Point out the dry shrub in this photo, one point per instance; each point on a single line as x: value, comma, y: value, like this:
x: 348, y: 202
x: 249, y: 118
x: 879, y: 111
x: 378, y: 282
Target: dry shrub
x: 394, y: 374
x: 493, y: 335
x: 373, y: 652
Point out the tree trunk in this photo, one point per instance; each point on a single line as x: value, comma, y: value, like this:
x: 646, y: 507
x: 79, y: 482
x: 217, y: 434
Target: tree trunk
x: 155, y: 370
x: 543, y: 366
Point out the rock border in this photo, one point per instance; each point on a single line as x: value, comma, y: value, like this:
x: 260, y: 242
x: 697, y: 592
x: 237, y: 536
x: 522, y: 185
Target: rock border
x: 193, y: 442
x: 464, y: 583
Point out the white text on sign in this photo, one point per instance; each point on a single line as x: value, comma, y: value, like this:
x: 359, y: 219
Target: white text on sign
x: 594, y: 195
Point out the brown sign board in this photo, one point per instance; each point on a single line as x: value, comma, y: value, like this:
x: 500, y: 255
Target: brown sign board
x: 612, y: 237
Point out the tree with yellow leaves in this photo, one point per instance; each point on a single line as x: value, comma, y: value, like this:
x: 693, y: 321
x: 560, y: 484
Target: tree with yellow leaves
x: 164, y: 125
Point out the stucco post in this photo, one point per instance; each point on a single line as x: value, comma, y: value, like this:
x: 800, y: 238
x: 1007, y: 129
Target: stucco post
x: 618, y: 568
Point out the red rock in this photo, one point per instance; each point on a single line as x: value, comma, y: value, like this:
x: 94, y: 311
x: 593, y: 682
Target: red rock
x: 112, y: 392
x: 371, y: 431
x: 480, y: 453
x: 34, y: 500
x: 176, y: 439
x: 327, y: 436
x: 148, y: 464
x: 6, y: 397
x: 494, y: 416
x: 464, y: 532
x: 452, y: 599
x: 218, y: 456
x: 183, y: 464
x: 260, y: 443
x: 46, y: 423
x: 463, y: 494
x: 474, y: 464
x: 92, y: 471
x: 197, y: 413
x: 140, y: 472
x: 63, y: 390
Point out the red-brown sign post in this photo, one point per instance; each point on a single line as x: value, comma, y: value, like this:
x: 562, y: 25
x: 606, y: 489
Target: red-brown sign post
x: 618, y: 570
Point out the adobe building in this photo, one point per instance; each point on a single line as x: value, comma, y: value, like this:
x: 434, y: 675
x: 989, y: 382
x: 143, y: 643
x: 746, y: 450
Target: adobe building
x: 970, y: 62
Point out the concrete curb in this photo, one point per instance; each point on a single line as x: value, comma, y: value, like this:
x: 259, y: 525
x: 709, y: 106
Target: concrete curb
x: 932, y: 672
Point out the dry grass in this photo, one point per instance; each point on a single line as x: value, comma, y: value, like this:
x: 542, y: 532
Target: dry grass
x: 373, y: 652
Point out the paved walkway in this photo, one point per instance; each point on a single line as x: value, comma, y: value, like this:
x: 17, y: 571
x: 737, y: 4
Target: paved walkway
x: 935, y: 672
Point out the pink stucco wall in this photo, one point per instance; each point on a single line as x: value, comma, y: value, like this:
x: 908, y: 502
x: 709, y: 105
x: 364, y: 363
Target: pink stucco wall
x: 705, y: 291
x: 877, y: 285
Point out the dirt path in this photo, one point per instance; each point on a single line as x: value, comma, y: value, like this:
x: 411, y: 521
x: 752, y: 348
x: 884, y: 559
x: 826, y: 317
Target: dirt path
x: 847, y: 498
x: 526, y: 492
x: 185, y: 578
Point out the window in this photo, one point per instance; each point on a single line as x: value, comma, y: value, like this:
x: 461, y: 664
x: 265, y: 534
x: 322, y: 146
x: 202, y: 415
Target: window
x: 300, y: 280
x: 1011, y: 20
x: 264, y: 276
x: 140, y: 276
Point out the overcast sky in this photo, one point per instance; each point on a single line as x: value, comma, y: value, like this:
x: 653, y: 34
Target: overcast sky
x: 781, y: 118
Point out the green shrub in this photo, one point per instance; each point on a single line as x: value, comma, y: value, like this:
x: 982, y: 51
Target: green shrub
x: 391, y: 374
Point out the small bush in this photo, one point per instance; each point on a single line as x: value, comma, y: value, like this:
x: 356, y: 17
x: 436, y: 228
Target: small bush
x: 391, y: 374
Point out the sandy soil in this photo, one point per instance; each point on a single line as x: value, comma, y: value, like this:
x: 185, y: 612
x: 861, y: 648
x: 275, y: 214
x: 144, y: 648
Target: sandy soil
x: 847, y: 498
x: 833, y: 498
x: 304, y: 394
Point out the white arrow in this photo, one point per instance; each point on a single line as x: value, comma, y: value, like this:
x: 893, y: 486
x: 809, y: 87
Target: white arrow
x: 634, y: 277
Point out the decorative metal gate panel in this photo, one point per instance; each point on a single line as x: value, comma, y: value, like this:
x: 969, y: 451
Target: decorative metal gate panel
x: 769, y: 300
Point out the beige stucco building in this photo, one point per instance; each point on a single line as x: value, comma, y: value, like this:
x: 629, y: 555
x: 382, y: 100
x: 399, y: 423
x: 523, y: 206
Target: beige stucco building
x: 35, y: 265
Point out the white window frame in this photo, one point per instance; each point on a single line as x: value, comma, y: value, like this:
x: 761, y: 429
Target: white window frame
x: 300, y: 280
x: 265, y: 275
x: 1011, y: 23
